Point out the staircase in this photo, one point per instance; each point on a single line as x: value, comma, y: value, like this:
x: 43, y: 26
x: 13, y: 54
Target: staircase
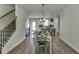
x: 7, y: 31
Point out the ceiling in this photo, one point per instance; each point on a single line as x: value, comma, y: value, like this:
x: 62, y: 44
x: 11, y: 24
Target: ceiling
x: 37, y: 8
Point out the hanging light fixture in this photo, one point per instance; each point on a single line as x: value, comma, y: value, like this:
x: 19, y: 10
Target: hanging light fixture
x: 43, y: 11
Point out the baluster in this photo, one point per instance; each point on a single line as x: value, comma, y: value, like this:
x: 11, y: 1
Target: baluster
x: 8, y: 32
x: 3, y: 37
x: 7, y: 35
x: 0, y: 40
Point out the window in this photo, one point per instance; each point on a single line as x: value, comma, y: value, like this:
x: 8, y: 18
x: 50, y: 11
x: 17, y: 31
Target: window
x: 33, y: 25
x: 46, y: 23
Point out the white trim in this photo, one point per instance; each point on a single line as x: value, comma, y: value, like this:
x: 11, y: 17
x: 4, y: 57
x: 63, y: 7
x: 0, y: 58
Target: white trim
x: 14, y: 46
x: 61, y: 38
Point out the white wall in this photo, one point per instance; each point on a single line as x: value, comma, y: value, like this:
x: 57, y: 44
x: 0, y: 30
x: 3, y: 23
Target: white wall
x: 19, y: 34
x: 27, y: 23
x: 69, y: 26
x: 3, y: 10
x: 56, y: 24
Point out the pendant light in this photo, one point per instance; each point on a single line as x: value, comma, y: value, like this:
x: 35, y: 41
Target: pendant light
x: 43, y: 11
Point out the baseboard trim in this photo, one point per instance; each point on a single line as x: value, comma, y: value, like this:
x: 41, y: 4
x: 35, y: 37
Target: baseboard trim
x: 74, y: 49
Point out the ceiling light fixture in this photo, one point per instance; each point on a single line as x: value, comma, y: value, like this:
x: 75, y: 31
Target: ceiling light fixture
x: 43, y: 11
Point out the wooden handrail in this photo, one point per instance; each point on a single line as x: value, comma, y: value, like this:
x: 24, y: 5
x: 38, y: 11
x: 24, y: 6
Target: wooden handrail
x: 8, y: 24
x: 7, y: 13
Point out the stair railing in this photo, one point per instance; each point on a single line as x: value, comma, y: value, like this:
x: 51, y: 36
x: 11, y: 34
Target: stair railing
x: 8, y: 30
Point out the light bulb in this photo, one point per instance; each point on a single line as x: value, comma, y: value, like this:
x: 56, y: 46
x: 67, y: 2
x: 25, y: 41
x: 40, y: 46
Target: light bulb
x: 40, y: 20
x: 44, y: 19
